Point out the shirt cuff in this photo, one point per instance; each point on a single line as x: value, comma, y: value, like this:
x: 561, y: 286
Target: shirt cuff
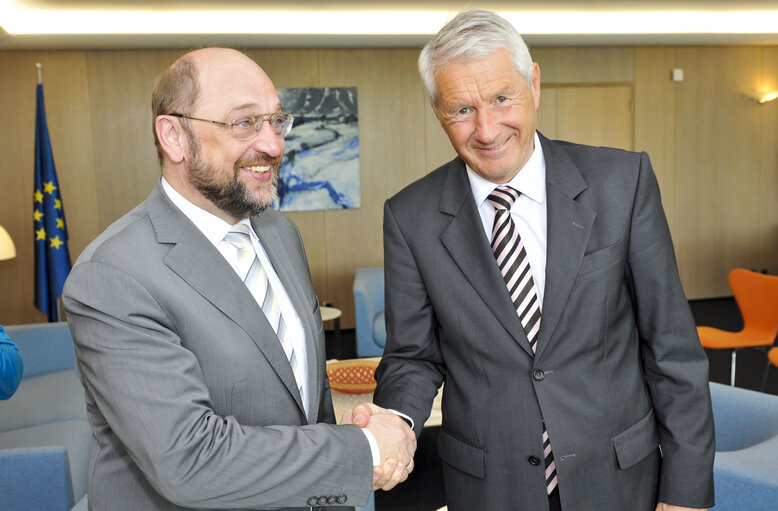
x: 405, y: 417
x: 373, y: 447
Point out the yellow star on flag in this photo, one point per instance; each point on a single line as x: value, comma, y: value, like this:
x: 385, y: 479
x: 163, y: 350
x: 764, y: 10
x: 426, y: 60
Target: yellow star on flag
x: 60, y: 224
x: 57, y: 204
x: 49, y: 187
x: 38, y: 196
x: 37, y: 215
x: 40, y: 234
x: 55, y: 242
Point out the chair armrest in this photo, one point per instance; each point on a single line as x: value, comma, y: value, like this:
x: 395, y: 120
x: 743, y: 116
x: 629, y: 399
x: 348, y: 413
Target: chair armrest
x: 45, y: 347
x: 34, y: 478
x: 743, y: 417
x: 368, y: 291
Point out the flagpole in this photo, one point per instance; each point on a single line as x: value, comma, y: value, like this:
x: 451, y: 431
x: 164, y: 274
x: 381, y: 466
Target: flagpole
x: 39, y: 66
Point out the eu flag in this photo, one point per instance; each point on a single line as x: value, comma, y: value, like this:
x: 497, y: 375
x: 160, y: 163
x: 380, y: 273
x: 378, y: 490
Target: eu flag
x: 52, y: 260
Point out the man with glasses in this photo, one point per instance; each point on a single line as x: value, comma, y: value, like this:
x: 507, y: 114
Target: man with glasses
x: 198, y: 335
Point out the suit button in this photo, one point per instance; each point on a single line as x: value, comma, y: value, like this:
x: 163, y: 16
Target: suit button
x: 332, y: 499
x: 312, y: 501
x: 322, y: 501
x: 534, y: 460
x: 342, y: 499
x: 538, y: 375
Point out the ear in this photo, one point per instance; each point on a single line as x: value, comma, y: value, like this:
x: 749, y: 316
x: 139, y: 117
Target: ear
x: 536, y: 83
x: 172, y: 138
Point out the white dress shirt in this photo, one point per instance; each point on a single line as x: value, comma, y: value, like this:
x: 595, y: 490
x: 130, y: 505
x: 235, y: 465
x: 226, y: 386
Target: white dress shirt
x: 215, y: 229
x: 528, y: 211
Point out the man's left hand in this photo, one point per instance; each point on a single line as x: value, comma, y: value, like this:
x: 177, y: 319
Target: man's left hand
x: 668, y: 507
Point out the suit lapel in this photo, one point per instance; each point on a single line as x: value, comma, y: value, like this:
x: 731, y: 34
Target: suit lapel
x: 283, y: 259
x: 466, y: 242
x: 194, y: 259
x: 569, y: 224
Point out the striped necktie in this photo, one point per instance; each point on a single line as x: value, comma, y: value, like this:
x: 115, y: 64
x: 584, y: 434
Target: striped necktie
x: 513, y: 262
x: 257, y: 282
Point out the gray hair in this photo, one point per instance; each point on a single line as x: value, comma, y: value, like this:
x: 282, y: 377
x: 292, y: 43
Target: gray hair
x: 472, y: 35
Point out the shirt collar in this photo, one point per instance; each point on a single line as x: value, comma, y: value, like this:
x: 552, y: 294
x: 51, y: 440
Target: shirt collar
x: 213, y: 227
x: 530, y: 180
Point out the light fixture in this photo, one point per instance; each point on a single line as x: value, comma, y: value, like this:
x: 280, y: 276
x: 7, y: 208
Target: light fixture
x: 27, y: 17
x: 7, y: 248
x: 763, y: 97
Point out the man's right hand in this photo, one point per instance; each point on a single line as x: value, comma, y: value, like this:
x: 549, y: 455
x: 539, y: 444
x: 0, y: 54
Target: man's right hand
x: 396, y: 444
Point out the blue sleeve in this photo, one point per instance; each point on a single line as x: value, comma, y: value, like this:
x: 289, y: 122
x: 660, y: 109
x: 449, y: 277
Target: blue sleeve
x: 11, y: 366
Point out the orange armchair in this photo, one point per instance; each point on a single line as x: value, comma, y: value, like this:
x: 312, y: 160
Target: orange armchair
x: 756, y: 295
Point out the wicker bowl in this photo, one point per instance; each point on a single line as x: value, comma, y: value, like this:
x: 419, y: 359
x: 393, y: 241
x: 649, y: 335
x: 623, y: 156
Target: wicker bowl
x: 355, y: 376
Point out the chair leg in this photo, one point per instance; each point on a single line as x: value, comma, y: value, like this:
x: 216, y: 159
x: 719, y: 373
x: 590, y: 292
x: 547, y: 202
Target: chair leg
x: 732, y: 371
x: 766, y: 374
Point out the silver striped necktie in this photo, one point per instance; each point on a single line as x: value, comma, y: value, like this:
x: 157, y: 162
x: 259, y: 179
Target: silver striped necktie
x: 257, y: 282
x: 513, y: 262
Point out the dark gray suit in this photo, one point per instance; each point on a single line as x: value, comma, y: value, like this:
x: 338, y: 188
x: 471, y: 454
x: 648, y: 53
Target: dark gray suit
x: 190, y: 396
x: 619, y: 369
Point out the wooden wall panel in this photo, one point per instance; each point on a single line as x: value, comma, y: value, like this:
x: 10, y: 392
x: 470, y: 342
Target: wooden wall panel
x: 125, y: 160
x: 438, y: 147
x: 585, y: 65
x: 655, y: 119
x: 548, y: 113
x: 718, y: 154
x: 596, y: 115
x: 768, y: 181
x: 713, y: 149
x: 391, y: 146
x: 17, y: 132
x: 67, y: 109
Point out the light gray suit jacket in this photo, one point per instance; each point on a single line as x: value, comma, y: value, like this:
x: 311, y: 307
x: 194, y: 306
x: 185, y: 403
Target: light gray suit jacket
x: 190, y: 396
x: 619, y: 370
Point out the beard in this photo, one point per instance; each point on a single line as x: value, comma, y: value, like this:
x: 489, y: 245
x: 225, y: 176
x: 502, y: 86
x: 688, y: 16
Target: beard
x: 229, y: 193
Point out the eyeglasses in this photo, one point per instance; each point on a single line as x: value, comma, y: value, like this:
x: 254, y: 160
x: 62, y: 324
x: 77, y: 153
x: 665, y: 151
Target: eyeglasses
x: 249, y: 125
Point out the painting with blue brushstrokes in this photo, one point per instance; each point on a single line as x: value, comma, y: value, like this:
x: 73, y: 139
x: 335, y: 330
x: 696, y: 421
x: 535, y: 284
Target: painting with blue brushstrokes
x: 321, y: 165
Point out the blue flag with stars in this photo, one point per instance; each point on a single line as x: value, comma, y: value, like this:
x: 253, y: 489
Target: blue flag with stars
x: 52, y: 259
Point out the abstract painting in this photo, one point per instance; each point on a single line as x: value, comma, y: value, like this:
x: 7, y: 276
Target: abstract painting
x: 321, y: 165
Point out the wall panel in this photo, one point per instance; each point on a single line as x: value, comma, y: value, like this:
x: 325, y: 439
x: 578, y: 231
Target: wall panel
x: 125, y: 160
x: 768, y: 180
x: 596, y: 115
x: 718, y: 154
x: 391, y: 147
x: 548, y: 115
x: 67, y: 109
x: 655, y: 119
x: 713, y: 148
x: 585, y: 65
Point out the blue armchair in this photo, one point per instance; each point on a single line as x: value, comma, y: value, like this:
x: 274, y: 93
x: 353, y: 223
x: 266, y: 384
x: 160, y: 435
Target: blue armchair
x: 745, y: 470
x: 369, y: 311
x: 44, y: 433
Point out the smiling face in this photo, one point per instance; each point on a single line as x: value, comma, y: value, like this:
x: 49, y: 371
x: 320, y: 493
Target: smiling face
x: 489, y: 114
x: 234, y: 178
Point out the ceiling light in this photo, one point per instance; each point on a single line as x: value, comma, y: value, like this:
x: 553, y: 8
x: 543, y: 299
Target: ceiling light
x: 21, y: 19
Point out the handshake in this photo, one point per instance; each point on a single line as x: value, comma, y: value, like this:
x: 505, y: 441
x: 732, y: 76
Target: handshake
x: 396, y: 442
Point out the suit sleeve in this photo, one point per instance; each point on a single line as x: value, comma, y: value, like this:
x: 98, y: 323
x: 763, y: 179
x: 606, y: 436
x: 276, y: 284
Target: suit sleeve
x: 150, y: 390
x: 410, y: 371
x: 675, y: 365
